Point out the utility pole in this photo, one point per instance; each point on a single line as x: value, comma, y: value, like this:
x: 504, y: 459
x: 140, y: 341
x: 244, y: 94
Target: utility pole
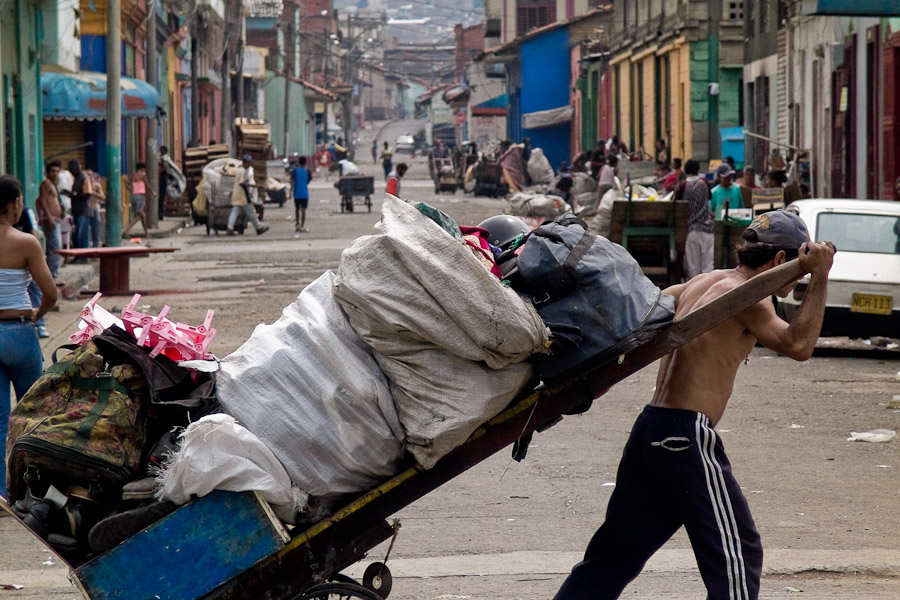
x: 114, y: 124
x: 195, y: 84
x: 240, y: 60
x: 348, y: 101
x: 153, y: 123
x: 288, y: 72
x: 226, y: 76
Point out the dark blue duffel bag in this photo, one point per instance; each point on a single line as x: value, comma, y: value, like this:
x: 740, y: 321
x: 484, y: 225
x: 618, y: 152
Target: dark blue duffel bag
x: 589, y: 291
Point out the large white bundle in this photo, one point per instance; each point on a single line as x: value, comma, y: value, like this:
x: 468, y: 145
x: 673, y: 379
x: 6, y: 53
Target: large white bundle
x: 602, y: 221
x: 539, y: 168
x: 450, y: 337
x: 524, y: 204
x: 309, y: 388
x: 584, y: 183
x: 215, y: 453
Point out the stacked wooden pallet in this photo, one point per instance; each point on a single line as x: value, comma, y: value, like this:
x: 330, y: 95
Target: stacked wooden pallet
x: 253, y: 138
x: 194, y: 161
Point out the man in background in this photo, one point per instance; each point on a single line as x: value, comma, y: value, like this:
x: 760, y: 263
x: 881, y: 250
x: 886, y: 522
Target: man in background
x: 300, y: 178
x: 240, y: 197
x: 50, y: 215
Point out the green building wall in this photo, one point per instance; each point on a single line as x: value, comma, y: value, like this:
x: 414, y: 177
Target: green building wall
x: 20, y: 96
x: 301, y: 122
x: 708, y: 112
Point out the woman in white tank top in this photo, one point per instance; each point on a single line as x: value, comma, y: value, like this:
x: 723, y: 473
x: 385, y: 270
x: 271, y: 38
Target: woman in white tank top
x: 21, y: 259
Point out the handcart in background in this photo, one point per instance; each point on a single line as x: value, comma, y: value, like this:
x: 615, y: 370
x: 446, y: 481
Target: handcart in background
x: 350, y: 186
x: 444, y: 175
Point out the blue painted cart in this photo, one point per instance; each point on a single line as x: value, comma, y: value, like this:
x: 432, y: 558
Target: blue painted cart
x: 229, y: 546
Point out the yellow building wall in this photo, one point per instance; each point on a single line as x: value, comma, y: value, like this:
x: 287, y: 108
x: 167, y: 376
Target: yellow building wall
x: 679, y: 100
x: 624, y: 93
x: 648, y: 105
x: 94, y: 16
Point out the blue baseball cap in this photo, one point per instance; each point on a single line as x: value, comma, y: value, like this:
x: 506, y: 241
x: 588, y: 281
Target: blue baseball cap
x: 247, y: 158
x: 780, y: 230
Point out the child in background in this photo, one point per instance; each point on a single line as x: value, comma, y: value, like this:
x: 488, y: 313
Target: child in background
x: 139, y: 190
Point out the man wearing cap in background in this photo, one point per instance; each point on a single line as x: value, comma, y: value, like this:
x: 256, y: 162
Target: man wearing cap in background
x: 244, y: 182
x: 674, y: 470
x: 726, y: 194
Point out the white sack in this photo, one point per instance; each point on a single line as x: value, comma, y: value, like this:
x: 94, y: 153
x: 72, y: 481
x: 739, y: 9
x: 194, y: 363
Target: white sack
x: 584, y: 183
x: 602, y: 221
x: 523, y: 204
x: 587, y: 203
x: 450, y: 337
x: 309, y: 388
x: 218, y: 454
x: 539, y: 168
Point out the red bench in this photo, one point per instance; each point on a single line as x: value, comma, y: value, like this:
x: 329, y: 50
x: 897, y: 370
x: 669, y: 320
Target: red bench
x: 114, y: 265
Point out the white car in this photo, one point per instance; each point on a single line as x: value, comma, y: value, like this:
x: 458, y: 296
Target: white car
x: 864, y: 282
x: 405, y: 143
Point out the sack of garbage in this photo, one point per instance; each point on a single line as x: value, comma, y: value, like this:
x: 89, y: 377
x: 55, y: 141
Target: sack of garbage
x: 590, y: 292
x: 216, y: 453
x: 523, y: 204
x: 309, y: 388
x: 584, y: 183
x: 451, y: 339
x: 586, y: 203
x: 539, y: 168
x: 602, y: 221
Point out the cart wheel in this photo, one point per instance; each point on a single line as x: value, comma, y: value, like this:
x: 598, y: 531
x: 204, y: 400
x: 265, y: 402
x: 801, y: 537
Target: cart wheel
x: 369, y: 203
x: 377, y: 578
x: 338, y: 591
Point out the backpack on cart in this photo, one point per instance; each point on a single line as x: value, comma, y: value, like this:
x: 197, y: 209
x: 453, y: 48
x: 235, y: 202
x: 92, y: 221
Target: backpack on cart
x: 83, y: 431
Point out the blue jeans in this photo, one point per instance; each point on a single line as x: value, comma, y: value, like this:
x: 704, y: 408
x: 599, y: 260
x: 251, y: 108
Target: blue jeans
x: 83, y: 231
x: 95, y: 228
x: 54, y: 243
x: 35, y: 295
x: 21, y: 364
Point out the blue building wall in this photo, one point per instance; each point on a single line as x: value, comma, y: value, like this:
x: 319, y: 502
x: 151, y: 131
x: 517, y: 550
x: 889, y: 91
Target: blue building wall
x: 544, y: 67
x: 93, y: 58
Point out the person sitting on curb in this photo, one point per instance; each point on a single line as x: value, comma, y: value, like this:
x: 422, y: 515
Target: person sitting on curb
x: 240, y: 197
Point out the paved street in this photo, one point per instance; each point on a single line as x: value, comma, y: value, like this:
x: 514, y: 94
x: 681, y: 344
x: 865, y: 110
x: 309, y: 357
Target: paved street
x: 826, y: 507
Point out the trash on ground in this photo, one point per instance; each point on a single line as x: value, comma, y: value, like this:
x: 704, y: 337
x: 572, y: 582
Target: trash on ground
x: 875, y: 435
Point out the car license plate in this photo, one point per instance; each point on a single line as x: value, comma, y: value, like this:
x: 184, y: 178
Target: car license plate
x: 873, y: 304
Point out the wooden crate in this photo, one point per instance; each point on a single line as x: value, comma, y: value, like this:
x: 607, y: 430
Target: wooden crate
x: 188, y: 553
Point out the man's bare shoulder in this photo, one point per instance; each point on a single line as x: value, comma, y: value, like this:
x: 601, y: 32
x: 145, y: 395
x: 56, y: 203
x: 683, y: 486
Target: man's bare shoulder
x: 706, y: 287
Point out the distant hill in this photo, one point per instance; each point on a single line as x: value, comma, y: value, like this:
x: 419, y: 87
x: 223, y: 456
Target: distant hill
x: 420, y: 21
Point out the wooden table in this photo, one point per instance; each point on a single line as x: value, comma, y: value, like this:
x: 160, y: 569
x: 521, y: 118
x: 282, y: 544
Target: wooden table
x: 114, y: 265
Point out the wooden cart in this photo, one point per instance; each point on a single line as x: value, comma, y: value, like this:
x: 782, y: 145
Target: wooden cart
x: 351, y: 186
x: 229, y: 546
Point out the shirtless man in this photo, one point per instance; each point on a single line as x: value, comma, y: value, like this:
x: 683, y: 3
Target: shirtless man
x: 674, y: 470
x: 49, y: 213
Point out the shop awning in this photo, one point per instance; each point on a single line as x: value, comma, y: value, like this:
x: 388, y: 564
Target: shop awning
x: 547, y: 118
x: 82, y: 96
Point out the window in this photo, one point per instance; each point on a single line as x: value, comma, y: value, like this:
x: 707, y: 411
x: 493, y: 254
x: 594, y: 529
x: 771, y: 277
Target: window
x: 878, y: 234
x: 531, y: 14
x: 732, y: 10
